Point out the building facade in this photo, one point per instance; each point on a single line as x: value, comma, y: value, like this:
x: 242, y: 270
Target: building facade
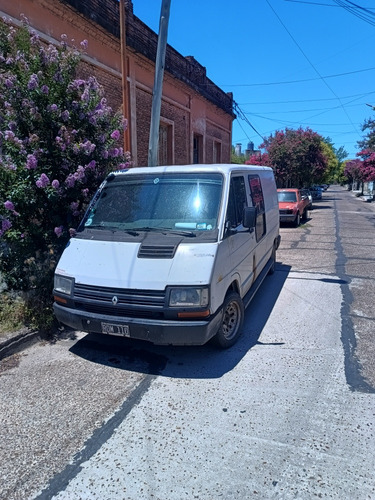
x: 196, y: 115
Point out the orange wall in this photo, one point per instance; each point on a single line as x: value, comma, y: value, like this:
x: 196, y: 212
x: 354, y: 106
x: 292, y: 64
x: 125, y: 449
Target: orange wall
x: 182, y: 106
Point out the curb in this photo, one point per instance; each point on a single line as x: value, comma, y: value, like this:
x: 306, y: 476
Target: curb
x: 17, y: 342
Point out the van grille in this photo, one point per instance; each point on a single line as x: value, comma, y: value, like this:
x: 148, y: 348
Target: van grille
x: 157, y: 251
x: 119, y: 301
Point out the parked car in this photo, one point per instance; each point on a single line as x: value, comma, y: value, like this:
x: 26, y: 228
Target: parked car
x: 316, y: 192
x: 307, y: 192
x: 292, y: 205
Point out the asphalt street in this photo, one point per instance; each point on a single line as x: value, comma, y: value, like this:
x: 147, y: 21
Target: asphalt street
x: 288, y: 412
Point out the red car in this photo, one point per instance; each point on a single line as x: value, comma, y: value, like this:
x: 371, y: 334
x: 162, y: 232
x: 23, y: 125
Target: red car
x: 293, y: 205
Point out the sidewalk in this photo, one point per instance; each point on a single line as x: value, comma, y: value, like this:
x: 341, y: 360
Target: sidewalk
x: 12, y: 342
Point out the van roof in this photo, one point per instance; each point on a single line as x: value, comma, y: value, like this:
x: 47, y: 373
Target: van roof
x: 223, y: 168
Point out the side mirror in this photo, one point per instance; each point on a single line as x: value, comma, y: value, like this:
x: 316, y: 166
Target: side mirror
x: 249, y: 217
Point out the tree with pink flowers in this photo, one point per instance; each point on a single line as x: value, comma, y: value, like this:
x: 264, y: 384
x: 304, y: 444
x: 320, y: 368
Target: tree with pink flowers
x: 297, y: 157
x: 58, y: 140
x: 367, y: 152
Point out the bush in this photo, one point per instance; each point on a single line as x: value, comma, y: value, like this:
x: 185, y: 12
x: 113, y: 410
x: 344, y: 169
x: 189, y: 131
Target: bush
x: 58, y: 140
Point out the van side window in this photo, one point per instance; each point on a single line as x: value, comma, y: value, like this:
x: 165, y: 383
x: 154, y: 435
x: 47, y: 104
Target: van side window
x: 258, y: 202
x: 237, y: 201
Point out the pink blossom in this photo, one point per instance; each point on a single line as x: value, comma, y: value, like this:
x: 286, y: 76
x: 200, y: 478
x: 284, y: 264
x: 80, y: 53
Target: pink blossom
x: 9, y: 205
x: 43, y: 181
x: 92, y: 164
x: 115, y: 135
x: 33, y: 82
x: 70, y: 181
x: 58, y: 231
x: 31, y: 162
x: 5, y: 225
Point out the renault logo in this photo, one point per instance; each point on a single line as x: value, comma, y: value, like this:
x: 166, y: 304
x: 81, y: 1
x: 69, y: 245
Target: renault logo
x: 114, y: 300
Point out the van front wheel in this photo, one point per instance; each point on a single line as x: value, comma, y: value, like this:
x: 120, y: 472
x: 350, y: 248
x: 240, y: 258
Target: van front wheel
x: 231, y: 325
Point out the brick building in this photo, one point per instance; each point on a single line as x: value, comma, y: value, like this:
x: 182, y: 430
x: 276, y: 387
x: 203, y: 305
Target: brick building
x: 196, y: 115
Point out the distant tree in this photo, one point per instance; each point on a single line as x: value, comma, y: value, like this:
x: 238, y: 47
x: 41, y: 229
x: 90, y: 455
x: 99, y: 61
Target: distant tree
x: 335, y: 157
x: 236, y: 158
x: 259, y: 159
x: 367, y: 153
x: 353, y: 172
x: 332, y: 161
x: 368, y: 141
x: 297, y: 156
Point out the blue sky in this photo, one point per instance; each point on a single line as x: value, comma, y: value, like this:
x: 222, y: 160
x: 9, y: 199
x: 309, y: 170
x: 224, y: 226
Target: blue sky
x: 289, y: 63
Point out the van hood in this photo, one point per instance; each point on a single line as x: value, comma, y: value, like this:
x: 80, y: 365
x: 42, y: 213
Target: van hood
x: 127, y: 265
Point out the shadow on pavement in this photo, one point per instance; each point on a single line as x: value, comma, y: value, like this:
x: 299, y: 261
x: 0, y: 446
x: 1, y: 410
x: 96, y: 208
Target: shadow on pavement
x: 186, y: 362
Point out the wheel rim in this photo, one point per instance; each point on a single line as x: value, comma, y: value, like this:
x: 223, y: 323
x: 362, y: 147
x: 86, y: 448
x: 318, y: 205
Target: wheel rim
x: 231, y: 320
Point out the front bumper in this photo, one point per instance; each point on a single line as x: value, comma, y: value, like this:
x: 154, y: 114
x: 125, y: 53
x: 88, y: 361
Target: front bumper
x: 162, y: 332
x: 287, y: 217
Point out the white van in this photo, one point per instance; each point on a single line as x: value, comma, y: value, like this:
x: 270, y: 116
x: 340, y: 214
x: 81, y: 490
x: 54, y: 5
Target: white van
x: 171, y: 255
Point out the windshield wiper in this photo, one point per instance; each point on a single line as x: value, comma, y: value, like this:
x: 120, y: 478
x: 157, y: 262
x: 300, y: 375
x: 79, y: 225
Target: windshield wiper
x: 151, y: 229
x: 183, y: 233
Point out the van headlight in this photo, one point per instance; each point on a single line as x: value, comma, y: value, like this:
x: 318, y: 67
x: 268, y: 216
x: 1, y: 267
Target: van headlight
x: 63, y: 284
x: 189, y: 297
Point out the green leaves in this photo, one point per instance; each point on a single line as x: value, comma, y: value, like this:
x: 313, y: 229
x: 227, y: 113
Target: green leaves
x: 57, y: 143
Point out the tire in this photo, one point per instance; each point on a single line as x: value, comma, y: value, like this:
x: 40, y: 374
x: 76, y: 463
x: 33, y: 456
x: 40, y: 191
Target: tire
x: 232, y: 321
x: 304, y: 215
x: 273, y: 257
x: 297, y: 220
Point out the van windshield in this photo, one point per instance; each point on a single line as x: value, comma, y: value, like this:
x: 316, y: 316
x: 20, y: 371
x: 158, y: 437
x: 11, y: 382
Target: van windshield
x: 171, y: 202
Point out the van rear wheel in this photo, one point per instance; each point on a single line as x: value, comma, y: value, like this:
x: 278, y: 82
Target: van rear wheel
x: 273, y: 260
x: 232, y: 322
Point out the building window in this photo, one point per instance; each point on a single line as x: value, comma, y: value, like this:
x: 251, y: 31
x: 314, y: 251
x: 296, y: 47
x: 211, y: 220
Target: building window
x: 165, y: 144
x: 197, y: 148
x: 217, y: 152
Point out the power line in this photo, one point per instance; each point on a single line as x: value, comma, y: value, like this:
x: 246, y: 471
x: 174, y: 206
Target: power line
x: 311, y: 64
x: 300, y: 81
x: 361, y: 12
x: 311, y: 3
x: 306, y: 100
x: 242, y: 115
x: 347, y: 104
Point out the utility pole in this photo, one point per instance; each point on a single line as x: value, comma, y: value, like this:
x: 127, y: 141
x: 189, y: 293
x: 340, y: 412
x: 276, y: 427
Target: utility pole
x: 124, y: 74
x: 158, y: 84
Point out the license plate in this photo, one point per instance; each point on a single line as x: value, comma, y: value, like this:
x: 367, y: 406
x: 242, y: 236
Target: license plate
x: 113, y: 329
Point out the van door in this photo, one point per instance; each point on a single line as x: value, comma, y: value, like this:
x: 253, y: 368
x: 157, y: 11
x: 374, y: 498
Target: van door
x: 241, y: 241
x: 261, y: 253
